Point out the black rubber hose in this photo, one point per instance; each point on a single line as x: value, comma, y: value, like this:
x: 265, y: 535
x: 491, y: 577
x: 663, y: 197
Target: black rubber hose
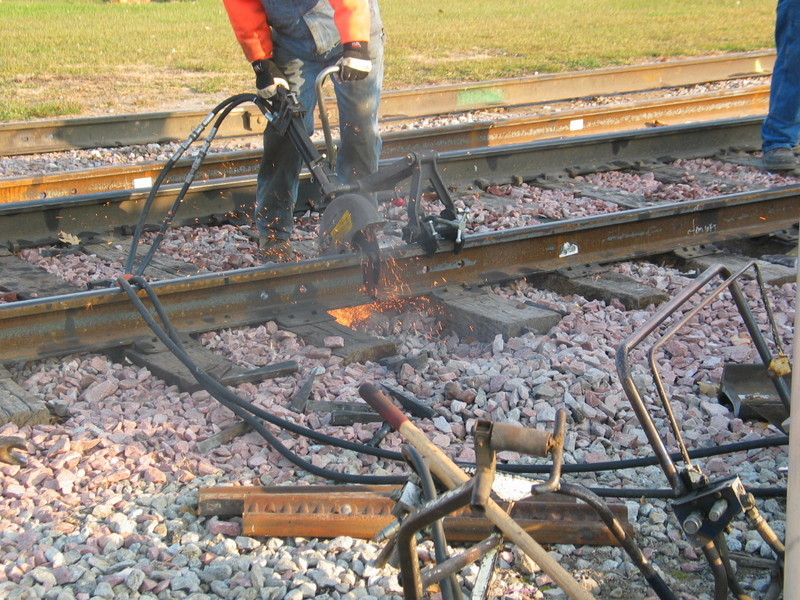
x: 189, y: 179
x: 170, y: 164
x: 667, y: 493
x: 628, y: 544
x: 238, y: 405
x: 449, y: 586
x: 733, y: 583
x: 647, y: 461
x: 259, y: 412
x: 172, y: 342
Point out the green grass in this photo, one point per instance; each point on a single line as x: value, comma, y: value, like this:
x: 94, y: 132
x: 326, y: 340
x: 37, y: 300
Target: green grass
x: 56, y: 54
x: 16, y: 111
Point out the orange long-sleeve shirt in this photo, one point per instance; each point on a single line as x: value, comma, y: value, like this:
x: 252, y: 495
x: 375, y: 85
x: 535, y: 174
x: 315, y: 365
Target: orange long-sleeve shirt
x: 251, y: 24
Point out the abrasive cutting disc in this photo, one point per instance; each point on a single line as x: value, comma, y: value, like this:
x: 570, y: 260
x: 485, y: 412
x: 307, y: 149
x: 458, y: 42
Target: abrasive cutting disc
x: 344, y: 218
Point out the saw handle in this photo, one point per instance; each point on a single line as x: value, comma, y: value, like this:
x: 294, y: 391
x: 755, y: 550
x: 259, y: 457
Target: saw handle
x: 531, y: 442
x: 323, y: 112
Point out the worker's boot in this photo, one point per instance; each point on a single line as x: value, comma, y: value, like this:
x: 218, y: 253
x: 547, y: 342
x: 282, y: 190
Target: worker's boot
x: 272, y: 249
x: 780, y: 159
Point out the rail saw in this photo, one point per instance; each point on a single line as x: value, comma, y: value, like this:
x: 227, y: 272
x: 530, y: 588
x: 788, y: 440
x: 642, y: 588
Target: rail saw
x: 350, y: 217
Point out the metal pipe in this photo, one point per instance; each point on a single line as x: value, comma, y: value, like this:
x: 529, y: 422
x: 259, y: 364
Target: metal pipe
x: 455, y: 563
x: 515, y: 438
x: 722, y: 548
x: 673, y: 329
x: 626, y: 375
x: 323, y: 114
x: 662, y: 315
x: 628, y: 544
x: 406, y: 543
x: 553, y: 483
x: 450, y: 587
x: 718, y: 570
x: 760, y: 524
x: 452, y: 476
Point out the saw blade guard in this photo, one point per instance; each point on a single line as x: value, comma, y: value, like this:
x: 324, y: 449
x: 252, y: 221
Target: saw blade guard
x: 346, y: 222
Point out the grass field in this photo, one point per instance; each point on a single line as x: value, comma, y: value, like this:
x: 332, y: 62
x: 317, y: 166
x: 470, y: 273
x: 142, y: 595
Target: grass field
x: 72, y: 57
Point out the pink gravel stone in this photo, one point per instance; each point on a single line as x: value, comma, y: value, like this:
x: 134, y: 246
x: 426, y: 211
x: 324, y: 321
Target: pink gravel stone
x: 319, y: 353
x: 153, y: 475
x: 59, y: 446
x: 33, y: 477
x: 114, y: 579
x: 206, y: 468
x: 14, y: 490
x: 100, y: 390
x: 334, y: 341
x: 228, y: 528
x: 161, y: 586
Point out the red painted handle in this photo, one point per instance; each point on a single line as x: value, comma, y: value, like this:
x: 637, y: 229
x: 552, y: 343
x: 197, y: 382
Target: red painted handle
x: 382, y: 405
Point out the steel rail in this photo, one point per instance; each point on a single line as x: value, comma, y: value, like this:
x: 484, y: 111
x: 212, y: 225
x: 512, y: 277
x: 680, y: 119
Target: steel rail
x: 752, y: 101
x: 92, y: 320
x: 92, y: 132
x: 38, y: 222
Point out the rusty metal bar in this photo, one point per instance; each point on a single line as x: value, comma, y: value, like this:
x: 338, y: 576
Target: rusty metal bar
x: 43, y: 327
x: 518, y: 130
x: 464, y: 558
x: 308, y: 515
x: 228, y: 500
x: 64, y: 134
x: 549, y: 519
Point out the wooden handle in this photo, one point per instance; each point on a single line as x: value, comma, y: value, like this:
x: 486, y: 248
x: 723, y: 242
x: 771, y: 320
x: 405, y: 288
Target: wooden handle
x: 451, y: 475
x: 382, y: 405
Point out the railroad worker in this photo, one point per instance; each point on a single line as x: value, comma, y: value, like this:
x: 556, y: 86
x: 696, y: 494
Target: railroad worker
x: 781, y: 128
x: 288, y: 43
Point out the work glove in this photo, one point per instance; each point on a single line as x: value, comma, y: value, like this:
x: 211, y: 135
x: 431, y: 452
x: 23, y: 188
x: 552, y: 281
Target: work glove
x: 268, y: 78
x: 355, y: 63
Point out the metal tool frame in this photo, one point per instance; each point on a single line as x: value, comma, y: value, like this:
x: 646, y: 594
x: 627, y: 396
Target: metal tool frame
x: 704, y: 508
x: 285, y: 113
x: 490, y: 438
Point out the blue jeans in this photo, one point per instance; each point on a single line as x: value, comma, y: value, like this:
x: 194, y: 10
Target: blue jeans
x: 360, y: 142
x: 781, y: 128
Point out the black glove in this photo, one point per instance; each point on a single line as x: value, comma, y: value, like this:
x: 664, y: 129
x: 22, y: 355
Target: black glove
x: 268, y: 77
x: 355, y: 63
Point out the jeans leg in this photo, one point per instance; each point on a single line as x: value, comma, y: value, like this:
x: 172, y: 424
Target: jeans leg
x: 279, y: 173
x: 359, y: 102
x: 276, y: 187
x: 781, y: 128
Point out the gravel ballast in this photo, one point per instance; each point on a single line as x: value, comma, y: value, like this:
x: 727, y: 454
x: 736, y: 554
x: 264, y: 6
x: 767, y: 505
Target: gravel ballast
x: 106, y: 506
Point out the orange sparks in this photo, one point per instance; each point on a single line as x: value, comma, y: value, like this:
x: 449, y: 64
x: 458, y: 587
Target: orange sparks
x: 354, y: 314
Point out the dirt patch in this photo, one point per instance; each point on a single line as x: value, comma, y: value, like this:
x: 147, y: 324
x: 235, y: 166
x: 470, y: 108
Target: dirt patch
x: 132, y: 90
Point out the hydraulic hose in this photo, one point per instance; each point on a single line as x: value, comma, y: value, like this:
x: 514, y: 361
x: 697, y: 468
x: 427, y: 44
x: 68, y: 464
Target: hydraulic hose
x: 169, y: 337
x: 669, y: 494
x: 655, y: 580
x: 243, y: 409
x: 449, y: 586
x: 221, y: 111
